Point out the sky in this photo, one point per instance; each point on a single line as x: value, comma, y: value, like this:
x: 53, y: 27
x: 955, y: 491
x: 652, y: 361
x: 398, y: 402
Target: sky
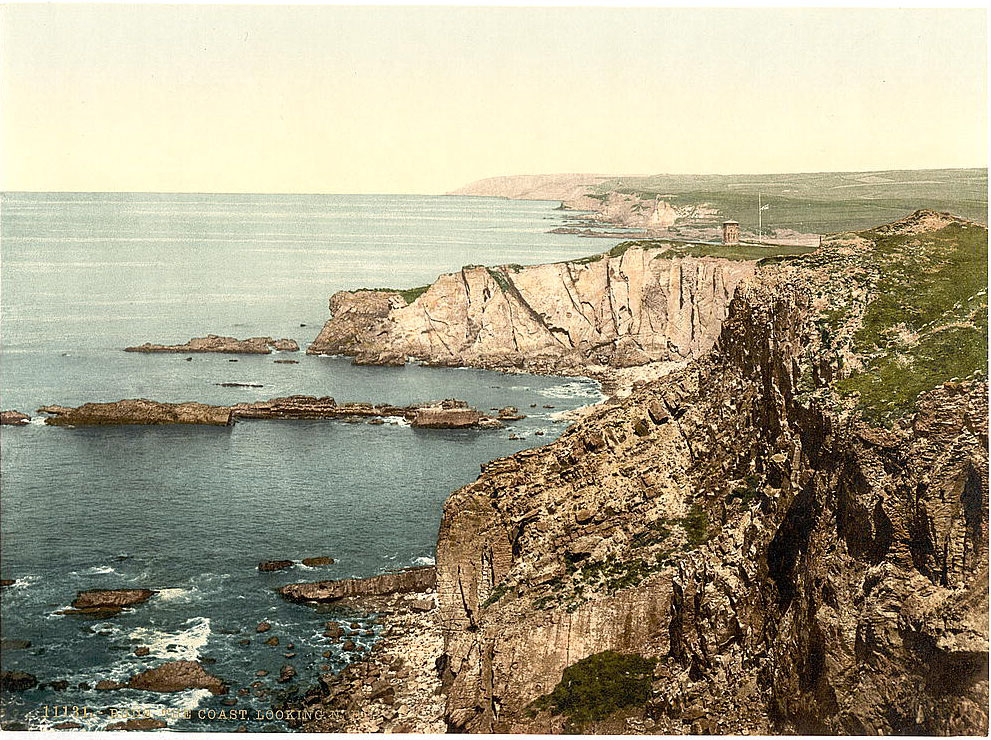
x: 335, y: 99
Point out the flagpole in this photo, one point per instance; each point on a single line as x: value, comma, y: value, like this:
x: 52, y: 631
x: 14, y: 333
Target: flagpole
x: 760, y: 219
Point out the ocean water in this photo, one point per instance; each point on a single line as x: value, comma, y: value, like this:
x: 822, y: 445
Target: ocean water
x: 191, y: 511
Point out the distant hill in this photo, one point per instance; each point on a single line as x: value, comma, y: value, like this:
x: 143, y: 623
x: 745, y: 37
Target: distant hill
x: 815, y: 202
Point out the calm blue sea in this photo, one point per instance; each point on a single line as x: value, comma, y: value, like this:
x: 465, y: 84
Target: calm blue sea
x: 191, y: 511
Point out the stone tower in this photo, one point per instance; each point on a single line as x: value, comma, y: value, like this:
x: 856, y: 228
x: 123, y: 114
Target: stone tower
x: 731, y: 232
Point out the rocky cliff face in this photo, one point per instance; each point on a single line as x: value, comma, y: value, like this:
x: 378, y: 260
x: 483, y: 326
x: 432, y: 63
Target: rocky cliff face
x: 784, y: 540
x: 618, y: 310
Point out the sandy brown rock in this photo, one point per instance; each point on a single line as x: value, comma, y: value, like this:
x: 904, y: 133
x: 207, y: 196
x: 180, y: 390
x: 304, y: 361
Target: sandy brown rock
x: 14, y: 418
x: 609, y: 311
x: 223, y: 345
x: 179, y: 675
x: 318, y: 561
x: 271, y: 565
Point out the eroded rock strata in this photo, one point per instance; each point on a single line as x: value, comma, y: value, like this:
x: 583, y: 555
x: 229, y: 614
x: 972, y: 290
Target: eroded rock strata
x: 784, y: 560
x: 608, y: 311
x: 788, y: 535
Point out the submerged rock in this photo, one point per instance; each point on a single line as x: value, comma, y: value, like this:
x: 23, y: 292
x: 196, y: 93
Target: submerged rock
x: 178, y: 675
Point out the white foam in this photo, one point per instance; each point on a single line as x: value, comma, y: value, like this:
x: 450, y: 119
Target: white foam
x: 188, y: 641
x: 424, y: 560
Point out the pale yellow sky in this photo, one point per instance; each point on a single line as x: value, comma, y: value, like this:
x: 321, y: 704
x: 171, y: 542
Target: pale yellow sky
x: 422, y: 100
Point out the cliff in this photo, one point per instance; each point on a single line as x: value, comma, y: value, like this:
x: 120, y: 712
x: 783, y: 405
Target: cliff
x: 624, y: 308
x: 789, y: 535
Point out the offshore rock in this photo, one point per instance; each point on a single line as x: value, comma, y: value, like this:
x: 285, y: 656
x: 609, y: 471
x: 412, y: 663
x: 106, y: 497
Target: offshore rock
x: 137, y: 411
x: 611, y: 311
x: 14, y: 418
x: 178, y: 675
x: 441, y: 418
x: 107, y: 603
x: 410, y: 580
x: 17, y: 681
x: 223, y: 345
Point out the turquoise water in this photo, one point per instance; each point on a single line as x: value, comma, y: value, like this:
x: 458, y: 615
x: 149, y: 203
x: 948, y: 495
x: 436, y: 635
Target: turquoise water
x: 191, y: 511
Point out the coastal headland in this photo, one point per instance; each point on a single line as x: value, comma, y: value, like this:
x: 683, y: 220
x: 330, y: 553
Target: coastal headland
x: 785, y: 531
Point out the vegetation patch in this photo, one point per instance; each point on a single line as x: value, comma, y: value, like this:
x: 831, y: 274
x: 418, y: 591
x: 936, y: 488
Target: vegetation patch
x: 595, y: 687
x: 928, y: 321
x: 498, y: 592
x: 409, y: 295
x: 501, y: 280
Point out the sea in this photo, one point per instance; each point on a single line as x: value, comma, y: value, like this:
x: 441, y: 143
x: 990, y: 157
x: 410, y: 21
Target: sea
x: 191, y: 511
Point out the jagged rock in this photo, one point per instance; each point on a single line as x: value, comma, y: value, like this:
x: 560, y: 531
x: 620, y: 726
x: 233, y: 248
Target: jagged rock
x: 223, y: 345
x: 178, y: 675
x: 789, y: 565
x: 418, y: 579
x: 272, y: 641
x: 286, y: 674
x: 14, y: 418
x: 263, y: 627
x: 142, y: 651
x: 108, y: 685
x: 101, y: 604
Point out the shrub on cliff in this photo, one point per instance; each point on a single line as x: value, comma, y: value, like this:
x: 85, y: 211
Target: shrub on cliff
x: 596, y: 686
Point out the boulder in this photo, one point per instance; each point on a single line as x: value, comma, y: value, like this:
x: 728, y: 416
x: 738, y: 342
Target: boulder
x: 510, y: 413
x: 286, y: 674
x: 179, y: 675
x: 108, y: 685
x: 263, y: 627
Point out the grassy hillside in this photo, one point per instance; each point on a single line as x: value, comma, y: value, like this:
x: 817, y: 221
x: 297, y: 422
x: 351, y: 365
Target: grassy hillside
x: 818, y: 202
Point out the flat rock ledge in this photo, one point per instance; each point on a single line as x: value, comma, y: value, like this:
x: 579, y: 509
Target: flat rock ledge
x: 223, y: 345
x: 14, y: 418
x: 421, y: 579
x: 448, y: 414
x: 100, y: 604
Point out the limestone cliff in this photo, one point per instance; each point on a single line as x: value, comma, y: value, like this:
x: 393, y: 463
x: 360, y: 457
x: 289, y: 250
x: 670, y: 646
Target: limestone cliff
x: 790, y: 533
x: 620, y: 309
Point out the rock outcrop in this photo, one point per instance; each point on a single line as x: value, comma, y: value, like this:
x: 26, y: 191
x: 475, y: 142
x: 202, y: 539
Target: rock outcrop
x: 105, y: 603
x: 614, y: 310
x: 14, y: 418
x: 178, y: 675
x: 409, y: 580
x: 137, y: 411
x: 447, y: 414
x: 789, y: 536
x: 222, y: 345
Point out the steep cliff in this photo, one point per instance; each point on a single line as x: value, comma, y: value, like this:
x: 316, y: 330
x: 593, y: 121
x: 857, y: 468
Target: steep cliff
x: 620, y: 309
x: 788, y: 535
